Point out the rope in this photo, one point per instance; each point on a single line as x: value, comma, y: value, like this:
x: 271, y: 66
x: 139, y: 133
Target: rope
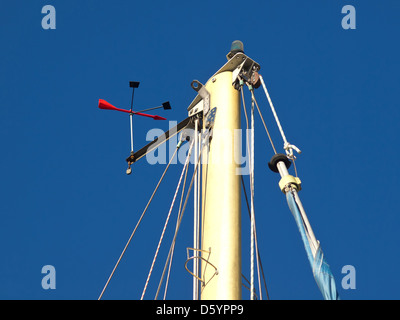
x: 251, y: 212
x: 172, y: 247
x: 167, y: 220
x: 196, y: 196
x: 262, y: 119
x: 251, y: 179
x: 258, y: 252
x: 255, y: 294
x: 138, y: 223
x: 252, y: 205
x: 286, y: 145
x: 180, y: 214
x: 188, y: 192
x: 273, y: 110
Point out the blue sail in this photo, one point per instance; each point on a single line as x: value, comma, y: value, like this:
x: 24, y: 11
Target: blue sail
x: 321, y: 270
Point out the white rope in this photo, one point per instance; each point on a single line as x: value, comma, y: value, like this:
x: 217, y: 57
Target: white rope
x: 286, y: 145
x: 258, y: 260
x: 253, y: 218
x: 259, y: 264
x: 250, y: 152
x: 137, y: 224
x: 180, y: 212
x: 252, y: 204
x: 168, y: 261
x: 196, y: 214
x: 172, y: 247
x: 166, y: 222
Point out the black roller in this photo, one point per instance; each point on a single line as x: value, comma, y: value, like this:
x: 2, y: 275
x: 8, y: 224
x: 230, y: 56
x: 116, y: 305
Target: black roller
x: 275, y: 159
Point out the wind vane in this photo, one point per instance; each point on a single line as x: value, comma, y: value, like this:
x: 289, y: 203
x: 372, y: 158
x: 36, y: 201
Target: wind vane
x: 108, y: 106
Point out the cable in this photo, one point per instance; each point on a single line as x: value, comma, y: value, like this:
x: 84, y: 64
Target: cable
x: 138, y: 223
x: 258, y: 253
x: 172, y: 247
x: 251, y: 180
x: 286, y: 145
x: 262, y: 119
x: 179, y: 219
x: 167, y: 220
x: 252, y: 226
x: 188, y: 194
x: 273, y: 110
x: 196, y: 217
x: 253, y: 233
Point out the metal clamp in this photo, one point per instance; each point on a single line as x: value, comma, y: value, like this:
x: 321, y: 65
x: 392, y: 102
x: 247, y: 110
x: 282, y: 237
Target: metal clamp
x: 248, y: 71
x: 295, y: 182
x: 203, y: 105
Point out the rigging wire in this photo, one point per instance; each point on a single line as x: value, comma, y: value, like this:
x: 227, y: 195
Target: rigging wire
x: 196, y: 217
x: 167, y: 220
x: 189, y: 190
x: 138, y: 223
x: 251, y: 216
x: 286, y: 145
x: 181, y: 212
x: 172, y: 247
x: 247, y: 286
x: 252, y: 224
x: 258, y: 252
x: 251, y: 212
x: 262, y: 119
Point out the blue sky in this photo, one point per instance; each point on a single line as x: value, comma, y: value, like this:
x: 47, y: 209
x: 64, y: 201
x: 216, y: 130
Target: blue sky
x: 66, y: 200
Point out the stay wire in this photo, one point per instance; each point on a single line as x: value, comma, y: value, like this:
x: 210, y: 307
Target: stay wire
x: 137, y: 224
x: 172, y: 247
x: 286, y: 145
x: 252, y: 217
x: 258, y: 252
x: 262, y: 119
x: 167, y: 220
x: 180, y: 215
x: 187, y: 195
x: 273, y: 110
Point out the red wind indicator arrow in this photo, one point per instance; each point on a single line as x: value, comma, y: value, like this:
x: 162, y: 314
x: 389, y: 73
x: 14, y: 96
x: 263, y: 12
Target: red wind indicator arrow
x: 108, y: 106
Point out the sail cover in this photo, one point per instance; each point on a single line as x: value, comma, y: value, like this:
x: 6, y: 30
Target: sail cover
x: 321, y: 270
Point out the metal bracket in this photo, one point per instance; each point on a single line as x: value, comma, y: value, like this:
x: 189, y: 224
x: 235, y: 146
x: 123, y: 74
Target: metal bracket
x: 210, y: 119
x: 248, y: 71
x: 202, y: 102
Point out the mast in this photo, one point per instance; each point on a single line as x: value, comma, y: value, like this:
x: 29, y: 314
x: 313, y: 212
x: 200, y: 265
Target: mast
x: 221, y: 220
x: 221, y: 189
x: 217, y: 104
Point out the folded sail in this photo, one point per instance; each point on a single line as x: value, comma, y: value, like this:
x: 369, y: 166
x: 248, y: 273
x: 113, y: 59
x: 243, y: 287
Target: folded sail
x: 321, y: 270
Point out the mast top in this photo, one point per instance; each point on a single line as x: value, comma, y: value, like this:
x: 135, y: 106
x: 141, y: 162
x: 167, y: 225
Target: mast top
x: 236, y: 46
